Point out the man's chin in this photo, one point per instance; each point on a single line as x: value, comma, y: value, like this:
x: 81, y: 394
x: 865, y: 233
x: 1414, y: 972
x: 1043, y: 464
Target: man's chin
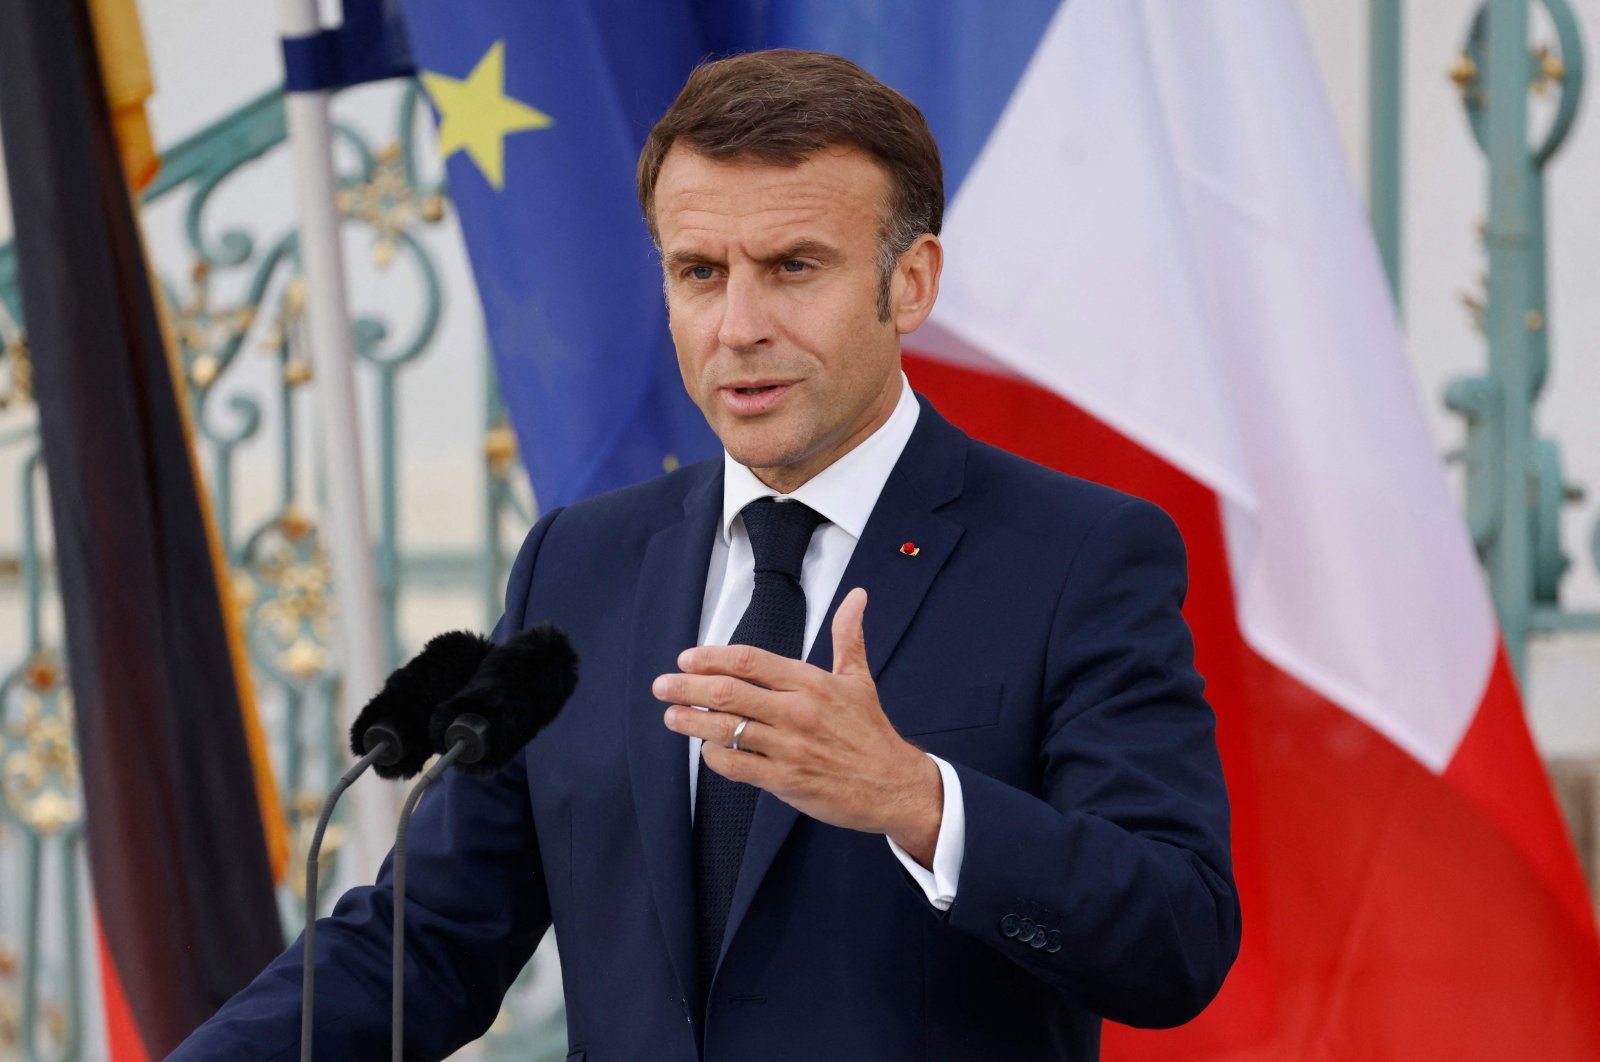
x: 760, y: 460
x: 754, y: 443
x: 780, y: 466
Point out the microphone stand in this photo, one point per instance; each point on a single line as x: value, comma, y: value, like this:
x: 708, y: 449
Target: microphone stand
x: 466, y: 736
x: 309, y: 963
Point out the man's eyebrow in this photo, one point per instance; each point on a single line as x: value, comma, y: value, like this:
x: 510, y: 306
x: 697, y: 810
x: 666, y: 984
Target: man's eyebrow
x: 807, y: 248
x: 682, y: 258
x: 679, y: 259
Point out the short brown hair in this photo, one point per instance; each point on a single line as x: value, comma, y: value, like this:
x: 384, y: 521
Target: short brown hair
x: 781, y: 106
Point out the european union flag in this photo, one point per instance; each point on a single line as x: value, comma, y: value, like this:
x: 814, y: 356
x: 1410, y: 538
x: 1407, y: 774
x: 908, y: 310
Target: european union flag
x: 543, y: 108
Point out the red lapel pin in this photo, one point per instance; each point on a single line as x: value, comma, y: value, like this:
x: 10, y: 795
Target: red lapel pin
x: 910, y: 549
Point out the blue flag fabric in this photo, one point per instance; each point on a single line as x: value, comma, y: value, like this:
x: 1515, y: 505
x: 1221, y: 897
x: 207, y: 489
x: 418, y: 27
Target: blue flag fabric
x: 543, y: 109
x: 369, y: 45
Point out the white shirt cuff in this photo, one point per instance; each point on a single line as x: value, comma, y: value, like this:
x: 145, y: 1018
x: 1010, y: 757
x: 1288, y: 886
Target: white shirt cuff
x: 939, y: 884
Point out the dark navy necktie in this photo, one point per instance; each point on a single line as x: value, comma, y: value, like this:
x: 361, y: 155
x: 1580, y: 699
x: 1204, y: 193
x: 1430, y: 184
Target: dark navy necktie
x: 775, y: 621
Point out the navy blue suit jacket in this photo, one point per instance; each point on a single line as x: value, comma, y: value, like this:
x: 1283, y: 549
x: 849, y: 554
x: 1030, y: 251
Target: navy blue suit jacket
x: 1035, y: 642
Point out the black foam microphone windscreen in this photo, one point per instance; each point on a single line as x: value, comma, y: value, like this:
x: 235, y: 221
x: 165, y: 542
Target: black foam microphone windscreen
x: 401, y: 712
x: 517, y: 690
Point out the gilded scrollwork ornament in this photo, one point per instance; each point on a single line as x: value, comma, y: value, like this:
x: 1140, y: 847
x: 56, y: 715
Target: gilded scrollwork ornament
x: 16, y: 370
x: 39, y: 779
x: 290, y: 615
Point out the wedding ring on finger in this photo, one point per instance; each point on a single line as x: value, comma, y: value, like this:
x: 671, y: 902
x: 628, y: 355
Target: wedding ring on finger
x: 737, y: 732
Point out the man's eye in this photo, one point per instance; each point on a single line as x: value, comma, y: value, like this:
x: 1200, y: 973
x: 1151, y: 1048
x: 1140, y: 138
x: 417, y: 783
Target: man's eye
x: 701, y: 272
x: 794, y: 265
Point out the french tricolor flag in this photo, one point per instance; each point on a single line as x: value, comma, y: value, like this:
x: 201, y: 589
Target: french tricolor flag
x: 1159, y: 276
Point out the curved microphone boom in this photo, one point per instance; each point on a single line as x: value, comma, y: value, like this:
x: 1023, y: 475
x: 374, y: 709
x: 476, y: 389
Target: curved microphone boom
x: 516, y: 691
x: 391, y: 735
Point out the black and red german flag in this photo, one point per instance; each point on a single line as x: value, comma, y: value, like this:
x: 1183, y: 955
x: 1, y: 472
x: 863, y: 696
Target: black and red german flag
x: 183, y: 882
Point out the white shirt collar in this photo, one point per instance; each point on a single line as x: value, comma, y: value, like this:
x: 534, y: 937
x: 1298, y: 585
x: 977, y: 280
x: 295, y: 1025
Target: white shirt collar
x: 846, y: 490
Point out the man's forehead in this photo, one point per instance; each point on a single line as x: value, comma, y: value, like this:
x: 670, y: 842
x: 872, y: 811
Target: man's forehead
x: 682, y: 149
x: 683, y: 163
x: 839, y: 184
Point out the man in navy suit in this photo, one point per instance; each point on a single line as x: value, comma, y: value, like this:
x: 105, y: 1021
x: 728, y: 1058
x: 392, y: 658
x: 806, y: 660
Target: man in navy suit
x: 983, y: 807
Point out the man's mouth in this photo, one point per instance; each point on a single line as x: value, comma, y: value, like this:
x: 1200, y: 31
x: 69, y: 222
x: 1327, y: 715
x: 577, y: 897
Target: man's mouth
x: 754, y: 399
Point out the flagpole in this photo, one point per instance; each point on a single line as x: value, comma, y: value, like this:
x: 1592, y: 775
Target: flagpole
x: 360, y: 628
x: 1385, y: 94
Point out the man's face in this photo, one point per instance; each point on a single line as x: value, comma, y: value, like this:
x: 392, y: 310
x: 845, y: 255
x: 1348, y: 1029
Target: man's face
x: 772, y: 278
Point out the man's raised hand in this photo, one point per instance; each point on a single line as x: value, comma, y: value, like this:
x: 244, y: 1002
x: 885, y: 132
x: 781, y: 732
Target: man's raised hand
x: 817, y: 740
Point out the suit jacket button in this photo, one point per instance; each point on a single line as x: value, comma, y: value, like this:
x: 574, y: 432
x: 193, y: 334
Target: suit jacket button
x: 1028, y: 930
x: 1011, y: 925
x: 1039, y: 939
x: 1054, y: 943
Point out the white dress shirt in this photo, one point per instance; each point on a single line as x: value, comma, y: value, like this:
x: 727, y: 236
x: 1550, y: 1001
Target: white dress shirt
x: 844, y: 493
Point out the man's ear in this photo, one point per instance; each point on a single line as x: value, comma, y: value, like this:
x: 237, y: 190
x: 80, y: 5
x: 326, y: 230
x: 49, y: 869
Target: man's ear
x: 915, y: 284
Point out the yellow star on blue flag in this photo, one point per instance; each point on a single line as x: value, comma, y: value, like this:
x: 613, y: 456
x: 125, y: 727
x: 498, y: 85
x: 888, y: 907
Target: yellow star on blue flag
x: 476, y: 115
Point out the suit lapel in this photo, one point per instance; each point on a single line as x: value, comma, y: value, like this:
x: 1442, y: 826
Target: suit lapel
x: 928, y: 475
x: 666, y: 621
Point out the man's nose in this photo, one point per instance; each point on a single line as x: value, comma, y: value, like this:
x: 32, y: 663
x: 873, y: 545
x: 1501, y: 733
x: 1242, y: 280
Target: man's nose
x: 746, y: 317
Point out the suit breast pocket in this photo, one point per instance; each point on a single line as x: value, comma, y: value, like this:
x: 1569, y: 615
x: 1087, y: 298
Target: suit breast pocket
x: 937, y: 710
